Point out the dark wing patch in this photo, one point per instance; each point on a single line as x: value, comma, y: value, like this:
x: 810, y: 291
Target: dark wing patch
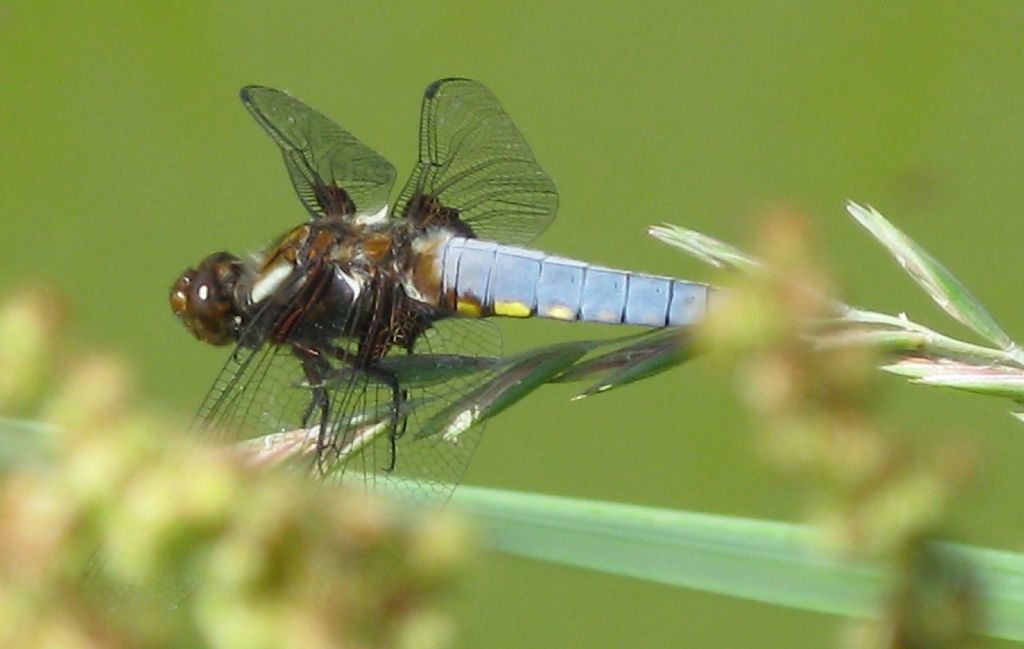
x: 334, y: 174
x: 427, y: 210
x: 475, y: 165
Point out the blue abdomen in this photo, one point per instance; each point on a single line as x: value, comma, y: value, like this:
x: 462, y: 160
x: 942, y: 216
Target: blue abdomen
x: 484, y: 278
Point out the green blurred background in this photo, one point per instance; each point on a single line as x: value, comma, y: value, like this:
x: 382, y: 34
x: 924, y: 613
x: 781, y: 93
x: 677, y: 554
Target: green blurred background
x: 126, y: 156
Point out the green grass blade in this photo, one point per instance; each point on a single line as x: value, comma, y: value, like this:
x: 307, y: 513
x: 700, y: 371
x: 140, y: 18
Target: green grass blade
x: 518, y: 377
x: 707, y: 249
x: 993, y: 380
x: 769, y: 562
x: 943, y: 287
x: 643, y: 357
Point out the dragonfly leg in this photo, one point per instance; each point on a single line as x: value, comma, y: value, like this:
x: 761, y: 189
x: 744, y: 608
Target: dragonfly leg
x: 316, y: 369
x: 398, y: 395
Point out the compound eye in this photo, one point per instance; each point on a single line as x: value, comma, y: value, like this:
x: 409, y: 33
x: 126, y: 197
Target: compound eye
x: 205, y: 309
x: 206, y: 298
x: 180, y: 292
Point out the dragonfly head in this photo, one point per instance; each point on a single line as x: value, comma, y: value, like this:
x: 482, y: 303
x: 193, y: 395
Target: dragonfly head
x: 205, y: 299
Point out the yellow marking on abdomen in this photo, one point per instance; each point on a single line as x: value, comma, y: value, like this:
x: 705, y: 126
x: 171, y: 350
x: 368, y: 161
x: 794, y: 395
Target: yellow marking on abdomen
x: 607, y: 316
x: 559, y: 312
x: 512, y: 309
x: 468, y: 308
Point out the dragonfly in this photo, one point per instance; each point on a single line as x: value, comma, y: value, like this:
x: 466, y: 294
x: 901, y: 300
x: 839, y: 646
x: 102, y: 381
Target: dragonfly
x: 356, y: 332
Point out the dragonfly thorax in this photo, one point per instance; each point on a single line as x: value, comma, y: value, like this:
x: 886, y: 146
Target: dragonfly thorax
x: 349, y: 338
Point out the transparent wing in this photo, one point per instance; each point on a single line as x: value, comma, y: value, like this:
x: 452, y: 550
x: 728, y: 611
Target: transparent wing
x: 262, y: 394
x: 332, y: 172
x: 448, y: 362
x: 257, y: 395
x: 474, y: 161
x: 262, y: 399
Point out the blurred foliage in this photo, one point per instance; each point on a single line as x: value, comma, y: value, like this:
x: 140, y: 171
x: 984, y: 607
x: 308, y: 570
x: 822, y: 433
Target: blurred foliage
x: 28, y: 326
x: 111, y: 543
x: 126, y: 156
x: 130, y: 155
x: 112, y: 522
x: 872, y: 496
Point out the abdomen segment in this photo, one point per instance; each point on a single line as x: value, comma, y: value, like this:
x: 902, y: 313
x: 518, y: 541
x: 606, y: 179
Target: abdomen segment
x: 484, y: 278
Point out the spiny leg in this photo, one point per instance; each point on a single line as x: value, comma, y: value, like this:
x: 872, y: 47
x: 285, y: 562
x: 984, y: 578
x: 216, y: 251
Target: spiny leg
x: 316, y: 369
x: 398, y: 395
